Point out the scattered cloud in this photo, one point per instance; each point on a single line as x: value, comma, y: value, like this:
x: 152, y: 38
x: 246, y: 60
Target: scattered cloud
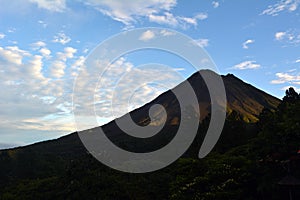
x: 37, y: 45
x: 291, y: 37
x: 2, y: 35
x: 53, y: 5
x: 77, y: 66
x: 247, y: 65
x: 85, y: 50
x: 297, y: 61
x: 147, y: 35
x: 33, y: 98
x: 57, y: 69
x: 13, y: 55
x: 183, y: 22
x: 45, y: 52
x: 280, y: 35
x: 282, y: 5
x: 283, y: 77
x: 201, y: 16
x: 245, y: 44
x: 166, y: 33
x: 215, y: 4
x: 202, y: 42
x: 61, y: 38
x: 166, y: 18
x: 68, y: 53
x: 130, y: 12
x: 12, y: 30
x: 42, y: 23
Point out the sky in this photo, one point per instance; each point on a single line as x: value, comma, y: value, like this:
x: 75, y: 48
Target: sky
x: 43, y: 46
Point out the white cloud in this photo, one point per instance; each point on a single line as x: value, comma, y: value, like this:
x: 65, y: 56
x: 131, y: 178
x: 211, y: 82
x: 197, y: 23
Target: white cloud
x: 150, y: 34
x: 278, y: 81
x: 12, y: 30
x: 51, y: 5
x: 34, y: 68
x: 201, y: 16
x: 246, y: 65
x: 57, y: 69
x: 245, y: 44
x: 192, y: 20
x: 61, y: 38
x: 297, y: 61
x: 130, y: 12
x: 77, y: 66
x: 189, y: 20
x: 183, y: 22
x: 283, y: 77
x: 38, y: 44
x: 202, y: 42
x: 283, y: 5
x: 43, y: 23
x: 57, y: 123
x: 147, y: 35
x: 279, y: 35
x: 166, y: 33
x: 2, y: 35
x: 41, y: 47
x: 291, y: 37
x: 31, y: 98
x: 45, y: 52
x: 166, y: 18
x: 126, y: 11
x: 215, y: 4
x: 85, y: 50
x: 13, y: 55
x: 68, y: 53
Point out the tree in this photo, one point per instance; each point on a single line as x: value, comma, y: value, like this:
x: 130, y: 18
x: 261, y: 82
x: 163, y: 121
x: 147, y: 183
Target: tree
x: 291, y: 95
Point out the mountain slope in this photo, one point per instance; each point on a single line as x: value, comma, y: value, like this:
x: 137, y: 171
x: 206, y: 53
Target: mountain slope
x: 246, y: 99
x: 242, y: 98
x: 60, y: 164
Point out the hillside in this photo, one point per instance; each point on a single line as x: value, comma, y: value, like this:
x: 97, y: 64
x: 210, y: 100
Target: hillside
x: 63, y: 169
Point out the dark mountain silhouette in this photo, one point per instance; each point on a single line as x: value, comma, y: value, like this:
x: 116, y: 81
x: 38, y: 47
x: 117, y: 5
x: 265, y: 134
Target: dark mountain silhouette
x: 243, y: 100
x: 54, y: 161
x: 246, y: 100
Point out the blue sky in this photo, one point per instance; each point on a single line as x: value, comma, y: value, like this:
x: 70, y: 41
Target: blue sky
x: 44, y: 43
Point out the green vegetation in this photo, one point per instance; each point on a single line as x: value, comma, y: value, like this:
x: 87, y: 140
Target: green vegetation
x: 247, y: 163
